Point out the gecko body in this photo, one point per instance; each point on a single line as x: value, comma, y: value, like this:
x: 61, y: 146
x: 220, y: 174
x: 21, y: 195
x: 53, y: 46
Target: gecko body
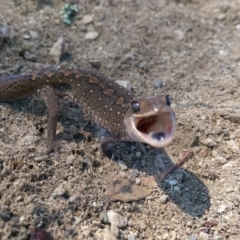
x: 143, y: 119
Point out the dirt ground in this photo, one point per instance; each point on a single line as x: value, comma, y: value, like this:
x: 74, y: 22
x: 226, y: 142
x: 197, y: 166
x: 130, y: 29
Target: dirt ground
x: 191, y: 47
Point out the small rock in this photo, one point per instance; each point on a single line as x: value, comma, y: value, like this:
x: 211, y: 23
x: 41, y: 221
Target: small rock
x: 143, y: 65
x: 114, y: 229
x: 174, y: 236
x: 131, y: 236
x: 87, y: 19
x: 163, y: 199
x: 105, y: 234
x: 26, y: 36
x: 59, y: 191
x: 91, y: 35
x: 125, y: 84
x: 138, y: 181
x: 19, y: 198
x: 122, y: 164
x: 165, y: 236
x: 5, y: 215
x: 34, y: 34
x: 221, y: 160
x: 58, y: 49
x: 95, y: 63
x: 142, y: 225
x: 173, y: 182
x: 117, y: 219
x: 42, y: 158
x: 179, y: 34
x: 29, y: 56
x: 203, y: 236
x: 222, y: 208
x: 210, y: 143
x: 176, y: 188
x: 70, y: 159
x: 74, y: 199
x: 221, y: 17
x: 158, y: 83
x: 138, y: 155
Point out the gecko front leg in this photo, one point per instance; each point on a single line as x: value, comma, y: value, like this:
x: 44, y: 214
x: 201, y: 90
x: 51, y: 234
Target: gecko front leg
x: 48, y: 95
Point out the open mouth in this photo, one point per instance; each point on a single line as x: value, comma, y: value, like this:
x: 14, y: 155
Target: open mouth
x: 156, y: 130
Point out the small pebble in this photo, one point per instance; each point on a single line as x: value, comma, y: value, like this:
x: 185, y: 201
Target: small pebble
x: 34, y: 34
x: 114, y: 229
x: 117, y: 219
x: 58, y: 49
x: 87, y: 19
x: 70, y: 159
x: 222, y: 208
x: 158, y: 83
x: 176, y: 188
x: 210, y: 143
x: 163, y: 199
x: 138, y: 155
x: 125, y: 84
x: 122, y: 165
x: 203, y: 236
x: 131, y: 236
x: 221, y: 160
x: 19, y: 198
x: 95, y: 63
x: 138, y: 181
x: 91, y: 35
x: 74, y: 199
x: 42, y: 158
x: 173, y: 182
x: 143, y: 65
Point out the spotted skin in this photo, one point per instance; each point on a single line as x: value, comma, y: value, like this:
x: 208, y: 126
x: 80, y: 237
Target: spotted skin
x: 99, y: 97
x: 107, y: 103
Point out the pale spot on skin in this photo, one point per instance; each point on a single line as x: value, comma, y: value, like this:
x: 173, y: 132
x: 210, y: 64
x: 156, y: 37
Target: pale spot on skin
x: 105, y: 106
x: 60, y: 80
x: 99, y: 99
x: 47, y: 81
x: 78, y: 85
x: 110, y: 109
x: 71, y: 80
x: 83, y: 93
x: 91, y: 91
x: 118, y: 113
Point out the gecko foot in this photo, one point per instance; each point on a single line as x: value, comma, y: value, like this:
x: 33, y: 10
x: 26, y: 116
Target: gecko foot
x: 107, y: 147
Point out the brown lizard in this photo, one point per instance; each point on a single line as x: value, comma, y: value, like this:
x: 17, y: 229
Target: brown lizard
x: 145, y: 119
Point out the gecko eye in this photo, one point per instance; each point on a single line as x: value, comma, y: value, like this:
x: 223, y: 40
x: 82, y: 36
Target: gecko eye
x: 168, y: 100
x: 135, y: 107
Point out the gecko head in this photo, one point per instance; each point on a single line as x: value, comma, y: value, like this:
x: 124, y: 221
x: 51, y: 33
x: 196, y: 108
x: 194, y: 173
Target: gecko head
x: 151, y: 120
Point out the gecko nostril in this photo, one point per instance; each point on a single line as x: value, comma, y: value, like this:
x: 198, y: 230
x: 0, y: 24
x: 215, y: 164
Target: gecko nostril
x: 159, y: 135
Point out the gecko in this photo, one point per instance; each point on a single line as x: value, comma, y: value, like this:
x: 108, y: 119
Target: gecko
x: 149, y: 120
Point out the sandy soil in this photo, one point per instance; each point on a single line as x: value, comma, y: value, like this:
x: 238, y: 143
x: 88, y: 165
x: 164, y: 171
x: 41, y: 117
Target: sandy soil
x: 193, y: 48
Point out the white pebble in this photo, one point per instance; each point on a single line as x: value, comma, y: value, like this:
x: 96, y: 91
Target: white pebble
x: 91, y: 35
x: 131, y: 236
x: 138, y: 181
x: 222, y: 208
x: 210, y: 142
x: 125, y: 84
x: 122, y: 164
x: 117, y: 219
x: 163, y: 199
